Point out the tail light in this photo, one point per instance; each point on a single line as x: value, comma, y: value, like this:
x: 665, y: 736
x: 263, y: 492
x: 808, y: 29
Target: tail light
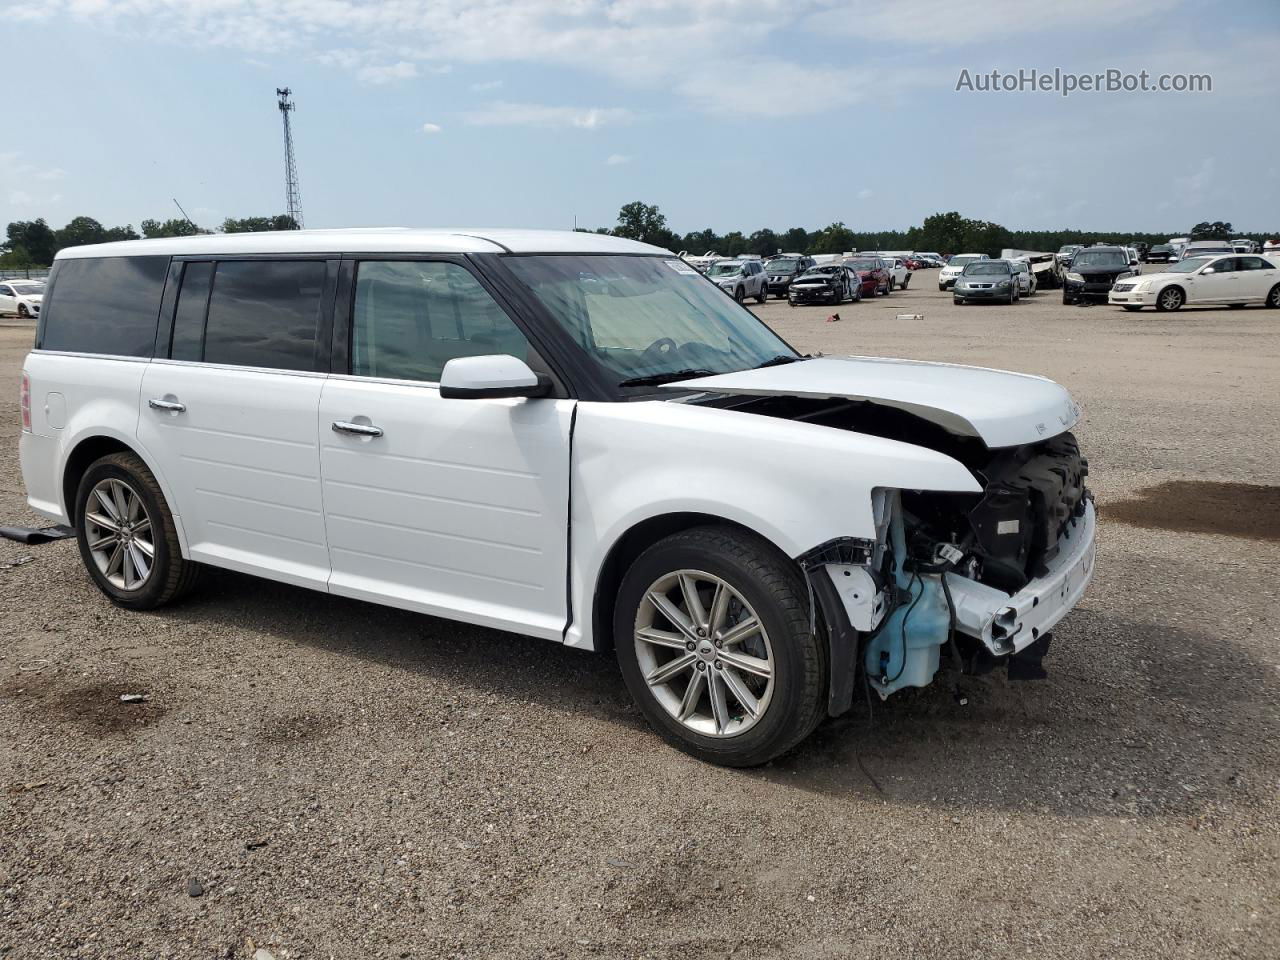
x: 24, y: 401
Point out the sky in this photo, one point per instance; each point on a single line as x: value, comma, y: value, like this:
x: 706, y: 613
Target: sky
x: 734, y: 115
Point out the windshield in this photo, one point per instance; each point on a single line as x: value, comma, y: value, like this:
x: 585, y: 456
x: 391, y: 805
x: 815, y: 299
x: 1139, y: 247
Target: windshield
x: 1161, y: 248
x: 26, y: 287
x: 1190, y: 265
x: 986, y: 268
x: 862, y: 264
x: 782, y: 266
x: 822, y: 271
x: 724, y: 269
x: 640, y: 317
x: 1069, y: 248
x: 1100, y: 258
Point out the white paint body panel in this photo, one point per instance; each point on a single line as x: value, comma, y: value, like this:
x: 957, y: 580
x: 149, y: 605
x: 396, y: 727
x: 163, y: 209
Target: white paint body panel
x: 244, y: 465
x: 1004, y: 409
x: 457, y: 510
x: 798, y: 485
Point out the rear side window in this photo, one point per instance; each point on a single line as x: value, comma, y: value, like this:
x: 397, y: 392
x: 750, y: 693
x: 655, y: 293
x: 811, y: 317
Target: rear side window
x: 264, y: 313
x: 106, y: 305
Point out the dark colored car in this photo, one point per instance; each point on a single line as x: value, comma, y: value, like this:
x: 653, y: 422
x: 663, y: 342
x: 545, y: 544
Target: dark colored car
x: 872, y: 276
x: 782, y: 270
x: 829, y: 283
x: 1093, y: 271
x: 1160, y: 253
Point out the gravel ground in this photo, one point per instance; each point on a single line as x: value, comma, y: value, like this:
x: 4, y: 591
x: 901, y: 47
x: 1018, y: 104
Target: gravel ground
x: 339, y: 780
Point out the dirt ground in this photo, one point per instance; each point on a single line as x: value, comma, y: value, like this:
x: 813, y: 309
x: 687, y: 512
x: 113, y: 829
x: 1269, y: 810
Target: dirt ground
x: 339, y: 780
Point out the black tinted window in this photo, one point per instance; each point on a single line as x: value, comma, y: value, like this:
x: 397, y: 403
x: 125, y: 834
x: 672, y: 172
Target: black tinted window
x: 188, y: 321
x: 263, y: 313
x: 105, y: 305
x: 413, y: 317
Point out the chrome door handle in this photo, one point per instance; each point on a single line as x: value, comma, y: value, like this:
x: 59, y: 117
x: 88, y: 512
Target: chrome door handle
x: 359, y: 429
x: 172, y: 406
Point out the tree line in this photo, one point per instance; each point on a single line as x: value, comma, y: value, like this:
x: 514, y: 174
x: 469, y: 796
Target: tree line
x: 33, y: 243
x: 942, y: 233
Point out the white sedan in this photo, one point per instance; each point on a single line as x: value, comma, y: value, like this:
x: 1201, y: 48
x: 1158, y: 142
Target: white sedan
x: 1203, y: 281
x: 22, y: 297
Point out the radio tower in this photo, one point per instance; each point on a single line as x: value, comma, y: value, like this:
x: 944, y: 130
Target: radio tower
x: 292, y: 196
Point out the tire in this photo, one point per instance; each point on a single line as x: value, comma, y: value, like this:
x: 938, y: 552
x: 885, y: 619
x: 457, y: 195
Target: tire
x: 1013, y: 296
x: 739, y: 294
x: 763, y: 295
x: 906, y: 282
x: 23, y: 312
x: 891, y: 282
x: 1131, y: 309
x: 855, y: 294
x: 1066, y: 301
x: 959, y: 301
x: 942, y: 288
x: 1273, y: 298
x: 790, y: 302
x: 1169, y: 299
x: 792, y: 700
x: 169, y: 575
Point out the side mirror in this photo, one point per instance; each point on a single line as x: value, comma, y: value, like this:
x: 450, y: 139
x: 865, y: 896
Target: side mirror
x: 497, y: 375
x: 1208, y: 270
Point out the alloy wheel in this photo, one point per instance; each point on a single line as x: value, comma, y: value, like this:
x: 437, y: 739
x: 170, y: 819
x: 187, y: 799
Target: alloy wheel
x: 704, y: 653
x: 119, y: 533
x: 1171, y: 299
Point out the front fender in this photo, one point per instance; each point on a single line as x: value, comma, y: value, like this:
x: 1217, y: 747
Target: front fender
x: 796, y: 484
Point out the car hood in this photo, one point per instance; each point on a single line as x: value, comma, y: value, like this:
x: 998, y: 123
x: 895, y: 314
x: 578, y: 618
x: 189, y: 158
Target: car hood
x: 816, y: 278
x: 1161, y: 277
x: 1003, y: 409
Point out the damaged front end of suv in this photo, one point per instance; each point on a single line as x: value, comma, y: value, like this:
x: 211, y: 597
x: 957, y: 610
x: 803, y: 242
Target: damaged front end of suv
x: 986, y: 575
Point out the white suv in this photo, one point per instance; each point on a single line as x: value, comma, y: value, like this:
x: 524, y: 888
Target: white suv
x: 569, y: 436
x: 741, y: 279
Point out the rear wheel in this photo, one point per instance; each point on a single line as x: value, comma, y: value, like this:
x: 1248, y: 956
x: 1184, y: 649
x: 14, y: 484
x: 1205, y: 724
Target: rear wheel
x: 1170, y: 298
x: 712, y: 636
x: 1273, y: 298
x: 127, y: 537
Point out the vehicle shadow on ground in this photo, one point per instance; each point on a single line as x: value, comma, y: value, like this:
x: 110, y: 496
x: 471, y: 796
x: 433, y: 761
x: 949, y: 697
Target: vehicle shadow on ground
x: 1181, y: 724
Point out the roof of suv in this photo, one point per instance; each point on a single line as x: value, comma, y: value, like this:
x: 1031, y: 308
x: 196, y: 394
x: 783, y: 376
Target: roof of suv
x: 369, y: 240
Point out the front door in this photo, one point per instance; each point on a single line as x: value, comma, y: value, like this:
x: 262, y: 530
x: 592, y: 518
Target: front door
x: 230, y: 416
x: 451, y: 507
x: 1221, y: 286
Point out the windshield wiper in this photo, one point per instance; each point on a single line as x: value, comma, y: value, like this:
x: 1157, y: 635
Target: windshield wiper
x: 669, y: 376
x: 778, y: 361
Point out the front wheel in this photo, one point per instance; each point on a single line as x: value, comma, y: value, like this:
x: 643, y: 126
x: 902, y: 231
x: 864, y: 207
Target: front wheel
x: 1171, y: 298
x: 763, y: 295
x: 23, y: 312
x: 1273, y: 298
x: 126, y: 534
x: 712, y: 636
x: 739, y: 294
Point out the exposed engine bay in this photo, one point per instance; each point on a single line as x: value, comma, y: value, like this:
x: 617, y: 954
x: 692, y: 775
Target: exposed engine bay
x: 987, y: 574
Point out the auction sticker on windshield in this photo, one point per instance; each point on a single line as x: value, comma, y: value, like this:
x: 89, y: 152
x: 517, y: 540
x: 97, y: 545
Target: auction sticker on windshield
x: 679, y: 266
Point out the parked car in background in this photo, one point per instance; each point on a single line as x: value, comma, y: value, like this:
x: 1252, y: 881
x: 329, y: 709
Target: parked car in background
x: 1066, y: 252
x: 831, y: 283
x: 930, y: 257
x: 987, y: 280
x: 782, y: 270
x: 872, y: 276
x: 1025, y: 276
x: 1244, y: 245
x: 1205, y: 248
x: 955, y: 266
x: 915, y: 263
x: 1234, y: 281
x: 22, y: 297
x: 1160, y: 253
x: 753, y: 550
x: 899, y: 275
x: 740, y: 279
x: 1092, y: 272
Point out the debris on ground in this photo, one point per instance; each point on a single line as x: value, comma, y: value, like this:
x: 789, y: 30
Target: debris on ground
x: 133, y: 698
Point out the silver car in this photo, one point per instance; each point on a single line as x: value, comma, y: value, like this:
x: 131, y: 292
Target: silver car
x: 1025, y: 276
x: 741, y: 279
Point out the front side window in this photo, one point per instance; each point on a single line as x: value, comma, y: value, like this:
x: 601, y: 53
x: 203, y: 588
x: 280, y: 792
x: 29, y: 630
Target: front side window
x: 264, y: 313
x: 647, y: 317
x: 412, y: 317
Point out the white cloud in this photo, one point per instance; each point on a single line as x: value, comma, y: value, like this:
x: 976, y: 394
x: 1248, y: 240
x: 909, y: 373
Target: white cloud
x: 27, y: 181
x: 431, y: 128
x: 866, y: 193
x: 502, y: 113
x: 617, y: 159
x: 486, y: 85
x: 378, y: 74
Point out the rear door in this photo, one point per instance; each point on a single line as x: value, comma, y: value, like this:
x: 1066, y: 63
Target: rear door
x: 457, y: 508
x: 1257, y: 277
x: 228, y: 409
